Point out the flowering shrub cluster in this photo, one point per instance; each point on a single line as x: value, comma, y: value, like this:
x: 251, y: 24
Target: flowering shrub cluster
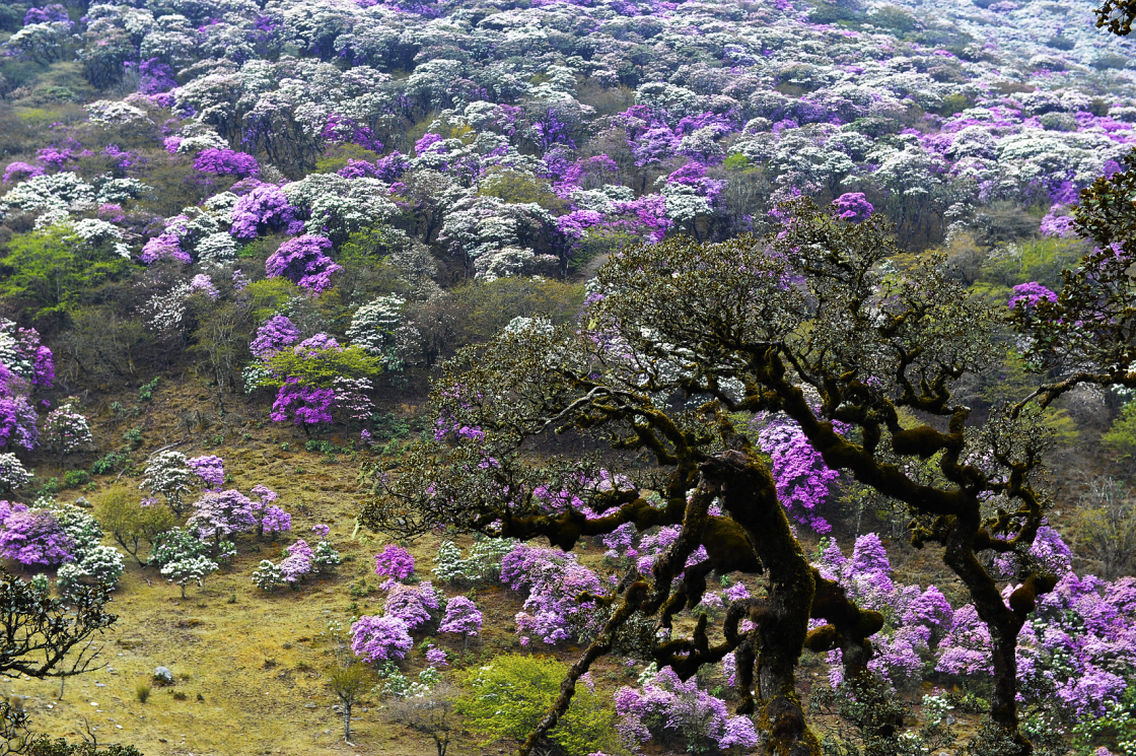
x: 663, y: 705
x: 33, y: 536
x: 394, y: 562
x: 552, y: 582
x: 65, y: 430
x: 25, y: 364
x: 299, y: 560
x: 380, y: 638
x: 226, y: 163
x: 303, y: 261
x: 483, y: 565
x: 59, y: 535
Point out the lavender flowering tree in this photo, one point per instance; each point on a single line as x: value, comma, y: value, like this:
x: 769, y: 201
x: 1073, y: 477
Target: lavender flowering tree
x: 394, y: 562
x: 211, y: 470
x: 219, y: 514
x: 461, y: 617
x: 33, y: 536
x: 379, y: 638
x: 303, y: 262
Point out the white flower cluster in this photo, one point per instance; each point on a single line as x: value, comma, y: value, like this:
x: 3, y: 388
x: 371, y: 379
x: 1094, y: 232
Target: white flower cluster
x: 374, y: 324
x: 115, y: 113
x: 63, y: 191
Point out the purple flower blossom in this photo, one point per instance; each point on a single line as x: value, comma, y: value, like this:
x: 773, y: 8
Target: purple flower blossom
x: 17, y: 423
x: 48, y: 14
x: 667, y: 707
x: 211, y: 470
x: 411, y: 604
x: 298, y: 562
x: 33, y: 537
x: 1027, y: 296
x: 852, y: 206
x: 380, y: 638
x: 302, y: 261
x: 425, y: 144
x: 264, y: 208
x: 436, y: 657
x: 801, y: 475
x: 394, y: 561
x: 156, y: 77
x: 275, y: 520
x: 305, y: 405
x: 204, y: 284
x: 462, y: 617
x: 218, y: 514
x: 19, y: 170
x: 273, y: 335
x: 226, y: 163
x: 554, y: 582
x: 163, y: 246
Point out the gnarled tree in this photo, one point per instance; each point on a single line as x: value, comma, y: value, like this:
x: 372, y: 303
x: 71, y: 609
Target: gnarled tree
x: 681, y: 345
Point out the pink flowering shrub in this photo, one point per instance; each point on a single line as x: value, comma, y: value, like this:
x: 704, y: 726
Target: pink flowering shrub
x: 394, y: 562
x: 211, y: 470
x: 666, y: 707
x: 297, y: 563
x: 413, y: 604
x: 852, y: 206
x: 265, y: 208
x: 303, y: 405
x: 65, y: 430
x: 226, y: 163
x: 273, y: 335
x: 33, y: 537
x: 1027, y: 295
x: 19, y: 170
x: 380, y: 639
x: 219, y: 514
x: 17, y: 423
x: 461, y: 617
x: 302, y: 261
x: 165, y: 246
x: 553, y: 583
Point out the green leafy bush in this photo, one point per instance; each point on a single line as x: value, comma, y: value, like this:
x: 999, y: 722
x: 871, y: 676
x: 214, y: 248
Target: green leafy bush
x: 506, y: 700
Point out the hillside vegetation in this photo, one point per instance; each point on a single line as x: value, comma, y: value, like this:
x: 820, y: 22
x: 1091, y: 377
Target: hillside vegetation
x: 603, y: 377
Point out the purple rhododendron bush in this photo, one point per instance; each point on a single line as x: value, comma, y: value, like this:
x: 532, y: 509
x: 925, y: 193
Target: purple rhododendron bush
x: 568, y: 377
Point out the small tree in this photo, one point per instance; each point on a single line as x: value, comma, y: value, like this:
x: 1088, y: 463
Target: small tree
x: 182, y: 558
x: 302, y: 261
x: 222, y: 513
x: 13, y: 475
x: 432, y: 715
x: 508, y: 699
x: 65, y: 430
x: 190, y: 569
x: 130, y: 523
x: 348, y: 679
x: 379, y: 638
x: 40, y: 632
x: 394, y: 562
x: 348, y: 683
x: 462, y: 617
x: 168, y: 475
